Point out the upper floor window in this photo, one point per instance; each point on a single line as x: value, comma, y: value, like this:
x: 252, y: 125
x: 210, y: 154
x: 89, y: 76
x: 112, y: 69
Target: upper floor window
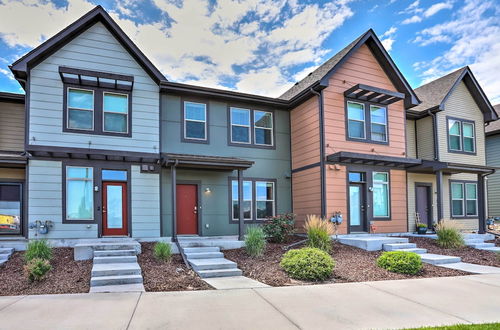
x: 80, y: 109
x: 263, y: 128
x: 195, y: 122
x: 366, y: 122
x: 251, y: 127
x: 115, y: 112
x: 463, y: 199
x: 461, y: 136
x: 240, y: 125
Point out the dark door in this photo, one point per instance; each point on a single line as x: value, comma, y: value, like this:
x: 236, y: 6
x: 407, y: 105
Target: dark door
x: 357, y: 214
x: 187, y: 209
x: 114, y: 209
x: 423, y: 204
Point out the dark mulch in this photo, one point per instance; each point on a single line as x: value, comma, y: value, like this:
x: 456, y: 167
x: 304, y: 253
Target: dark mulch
x: 167, y: 276
x: 66, y: 275
x: 468, y: 254
x: 352, y: 265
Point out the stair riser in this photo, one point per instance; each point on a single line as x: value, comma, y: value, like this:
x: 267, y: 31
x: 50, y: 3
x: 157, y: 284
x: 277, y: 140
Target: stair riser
x: 112, y: 253
x: 213, y: 267
x: 201, y: 250
x: 394, y: 247
x: 115, y: 247
x: 481, y: 245
x: 115, y: 260
x: 204, y: 255
x: 415, y: 250
x: 121, y: 272
x: 442, y: 261
x: 236, y: 272
x: 100, y: 282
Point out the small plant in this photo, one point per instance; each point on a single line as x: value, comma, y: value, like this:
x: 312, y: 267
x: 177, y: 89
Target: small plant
x: 38, y: 249
x: 319, y: 232
x: 308, y: 264
x: 278, y: 228
x: 448, y: 235
x: 255, y: 241
x: 421, y: 225
x: 162, y: 251
x: 36, y: 269
x: 400, y: 262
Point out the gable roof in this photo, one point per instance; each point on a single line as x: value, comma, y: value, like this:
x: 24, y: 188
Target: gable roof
x: 318, y: 79
x: 435, y: 93
x: 21, y: 67
x: 494, y: 126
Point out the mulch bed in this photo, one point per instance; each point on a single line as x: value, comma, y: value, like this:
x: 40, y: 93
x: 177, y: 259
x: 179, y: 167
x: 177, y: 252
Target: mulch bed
x: 66, y: 275
x: 352, y: 265
x: 167, y: 276
x: 468, y: 254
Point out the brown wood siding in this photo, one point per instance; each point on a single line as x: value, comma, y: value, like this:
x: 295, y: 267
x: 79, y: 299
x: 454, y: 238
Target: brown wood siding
x: 11, y: 126
x: 336, y: 193
x: 361, y: 67
x: 306, y: 194
x: 304, y: 122
x: 399, y: 214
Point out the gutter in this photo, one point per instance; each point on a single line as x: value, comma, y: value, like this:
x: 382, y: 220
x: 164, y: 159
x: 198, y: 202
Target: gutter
x: 322, y: 150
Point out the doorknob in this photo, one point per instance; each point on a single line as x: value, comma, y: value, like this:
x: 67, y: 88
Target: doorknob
x: 195, y: 211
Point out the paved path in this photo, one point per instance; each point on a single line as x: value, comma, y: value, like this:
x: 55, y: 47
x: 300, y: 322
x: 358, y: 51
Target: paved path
x: 369, y: 305
x: 234, y: 282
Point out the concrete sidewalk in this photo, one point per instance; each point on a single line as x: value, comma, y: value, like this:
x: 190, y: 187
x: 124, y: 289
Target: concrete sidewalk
x: 368, y: 305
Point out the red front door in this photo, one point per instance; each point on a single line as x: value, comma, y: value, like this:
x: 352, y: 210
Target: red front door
x: 114, y: 209
x: 187, y: 209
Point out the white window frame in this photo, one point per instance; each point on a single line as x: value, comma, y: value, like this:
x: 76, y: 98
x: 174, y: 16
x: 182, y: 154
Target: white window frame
x: 244, y: 200
x: 357, y: 120
x: 255, y: 127
x: 265, y: 200
x: 120, y: 113
x: 196, y: 121
x: 387, y: 183
x: 68, y: 179
x: 460, y: 134
x: 377, y: 123
x: 464, y: 212
x: 249, y: 126
x: 470, y: 199
x: 68, y: 108
x: 473, y: 137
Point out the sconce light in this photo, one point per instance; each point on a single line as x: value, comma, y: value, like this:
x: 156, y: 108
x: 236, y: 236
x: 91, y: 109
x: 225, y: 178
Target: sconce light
x: 370, y: 189
x: 207, y: 190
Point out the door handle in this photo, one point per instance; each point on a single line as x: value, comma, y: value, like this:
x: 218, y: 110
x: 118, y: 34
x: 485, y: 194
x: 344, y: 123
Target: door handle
x: 195, y: 211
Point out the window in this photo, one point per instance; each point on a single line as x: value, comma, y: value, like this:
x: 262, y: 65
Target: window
x: 113, y: 175
x: 463, y: 199
x: 195, y: 121
x: 263, y: 128
x: 356, y: 177
x: 263, y: 201
x: 240, y: 125
x: 356, y: 120
x: 80, y: 109
x: 461, y: 136
x: 380, y: 195
x: 115, y: 112
x: 378, y: 119
x: 246, y: 122
x: 10, y: 208
x: 79, y: 193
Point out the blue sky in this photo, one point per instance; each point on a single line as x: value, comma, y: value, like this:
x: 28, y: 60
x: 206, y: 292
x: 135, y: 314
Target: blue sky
x: 263, y: 47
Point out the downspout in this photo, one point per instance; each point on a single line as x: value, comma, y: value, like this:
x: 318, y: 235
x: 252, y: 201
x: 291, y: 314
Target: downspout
x: 483, y: 211
x: 321, y: 151
x: 434, y: 132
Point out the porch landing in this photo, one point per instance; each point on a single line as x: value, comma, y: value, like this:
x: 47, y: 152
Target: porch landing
x: 370, y: 242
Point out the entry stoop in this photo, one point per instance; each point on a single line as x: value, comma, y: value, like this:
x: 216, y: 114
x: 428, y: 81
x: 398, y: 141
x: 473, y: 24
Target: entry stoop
x: 370, y: 242
x: 210, y: 262
x: 5, y: 254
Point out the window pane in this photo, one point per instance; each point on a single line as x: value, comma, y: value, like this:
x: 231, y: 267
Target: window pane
x: 378, y: 132
x: 79, y: 172
x: 381, y: 177
x: 115, y: 103
x: 113, y: 175
x: 115, y: 122
x: 380, y: 200
x: 468, y: 130
x: 195, y: 130
x: 80, y: 119
x: 355, y: 111
x: 378, y: 115
x: 247, y: 210
x: 356, y: 177
x: 264, y: 190
x: 247, y: 190
x: 263, y: 119
x: 471, y: 191
x: 240, y: 134
x: 356, y: 129
x: 240, y: 116
x: 457, y: 191
x: 195, y: 111
x: 471, y: 207
x: 264, y: 209
x: 81, y: 99
x: 454, y: 127
x: 263, y: 136
x: 114, y: 206
x: 10, y: 209
x: 455, y: 142
x: 457, y: 208
x: 468, y: 144
x: 79, y: 202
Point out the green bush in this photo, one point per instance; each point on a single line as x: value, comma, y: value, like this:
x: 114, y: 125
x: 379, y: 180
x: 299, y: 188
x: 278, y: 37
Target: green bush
x: 400, y: 262
x: 36, y: 269
x: 308, y: 264
x: 278, y: 228
x: 448, y: 235
x: 319, y: 233
x: 255, y: 241
x: 38, y: 249
x: 162, y: 251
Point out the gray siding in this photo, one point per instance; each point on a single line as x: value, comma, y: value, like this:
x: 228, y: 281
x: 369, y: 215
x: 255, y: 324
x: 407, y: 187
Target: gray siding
x: 411, y: 147
x: 425, y: 138
x: 493, y: 159
x: 413, y: 178
x: 95, y: 49
x: 11, y: 126
x: 145, y: 203
x: 464, y: 224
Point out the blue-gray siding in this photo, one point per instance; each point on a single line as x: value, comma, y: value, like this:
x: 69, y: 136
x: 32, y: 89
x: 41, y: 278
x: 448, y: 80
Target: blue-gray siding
x: 493, y: 159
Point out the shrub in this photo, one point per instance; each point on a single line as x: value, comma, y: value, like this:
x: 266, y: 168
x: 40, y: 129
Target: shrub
x: 448, y: 235
x: 308, y: 264
x: 255, y: 241
x: 421, y: 225
x: 162, y: 251
x: 400, y: 262
x: 278, y: 228
x: 36, y: 269
x: 38, y: 249
x: 319, y: 233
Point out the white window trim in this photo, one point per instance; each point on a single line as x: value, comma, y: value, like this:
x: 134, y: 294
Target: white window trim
x: 377, y: 123
x: 68, y: 108
x: 470, y: 199
x: 265, y: 200
x: 104, y: 111
x: 266, y: 128
x: 244, y: 200
x: 249, y: 126
x: 196, y: 121
x: 79, y: 179
x: 460, y: 134
x: 357, y: 120
x: 388, y: 194
x: 458, y: 199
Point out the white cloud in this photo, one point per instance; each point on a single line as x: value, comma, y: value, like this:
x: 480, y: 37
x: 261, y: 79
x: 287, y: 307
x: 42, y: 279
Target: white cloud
x: 304, y: 72
x: 7, y: 73
x: 419, y: 14
x: 435, y: 8
x: 388, y: 38
x: 413, y: 19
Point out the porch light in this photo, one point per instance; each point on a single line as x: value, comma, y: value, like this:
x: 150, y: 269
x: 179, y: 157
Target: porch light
x: 207, y: 190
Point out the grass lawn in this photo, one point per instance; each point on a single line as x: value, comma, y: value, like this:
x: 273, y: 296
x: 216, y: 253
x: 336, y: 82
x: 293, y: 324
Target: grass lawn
x: 485, y: 326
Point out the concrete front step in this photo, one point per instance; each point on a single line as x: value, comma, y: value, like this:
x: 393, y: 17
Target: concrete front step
x: 136, y: 287
x: 201, y: 249
x: 204, y: 255
x: 114, y: 253
x: 371, y: 243
x: 468, y: 241
x: 481, y: 245
x: 398, y: 246
x: 220, y: 272
x: 473, y: 268
x: 223, y: 244
x: 415, y: 250
x: 115, y: 280
x: 115, y: 269
x: 438, y: 259
x: 85, y: 251
x: 211, y: 264
x: 491, y: 249
x: 115, y: 260
x: 6, y: 251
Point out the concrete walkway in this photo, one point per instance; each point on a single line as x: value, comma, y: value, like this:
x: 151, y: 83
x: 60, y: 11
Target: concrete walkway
x: 369, y: 305
x: 234, y: 282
